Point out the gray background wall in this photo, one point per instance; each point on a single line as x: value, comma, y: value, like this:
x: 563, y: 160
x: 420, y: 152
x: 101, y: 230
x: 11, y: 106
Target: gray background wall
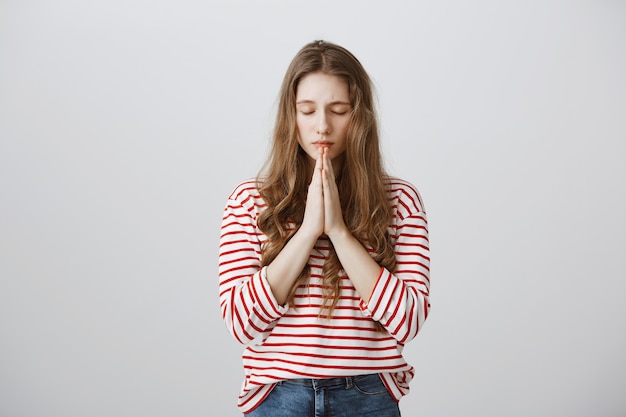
x: 125, y: 124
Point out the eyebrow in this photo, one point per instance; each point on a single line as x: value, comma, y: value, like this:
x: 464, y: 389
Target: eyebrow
x: 332, y: 103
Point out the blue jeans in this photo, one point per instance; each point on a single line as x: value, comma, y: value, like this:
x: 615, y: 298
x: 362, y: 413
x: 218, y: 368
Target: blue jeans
x: 355, y: 396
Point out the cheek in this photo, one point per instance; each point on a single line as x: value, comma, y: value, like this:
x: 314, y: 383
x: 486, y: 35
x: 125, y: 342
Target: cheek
x: 300, y: 132
x: 301, y: 125
x: 344, y: 127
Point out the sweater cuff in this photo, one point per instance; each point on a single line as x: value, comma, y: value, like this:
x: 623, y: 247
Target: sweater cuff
x: 265, y: 297
x: 376, y: 306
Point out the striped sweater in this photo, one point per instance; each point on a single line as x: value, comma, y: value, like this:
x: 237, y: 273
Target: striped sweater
x: 292, y: 341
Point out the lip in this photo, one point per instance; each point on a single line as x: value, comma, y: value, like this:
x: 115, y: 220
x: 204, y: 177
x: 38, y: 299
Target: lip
x: 322, y: 143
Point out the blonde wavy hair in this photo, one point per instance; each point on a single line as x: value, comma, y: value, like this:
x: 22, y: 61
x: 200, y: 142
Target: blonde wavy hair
x: 283, y: 181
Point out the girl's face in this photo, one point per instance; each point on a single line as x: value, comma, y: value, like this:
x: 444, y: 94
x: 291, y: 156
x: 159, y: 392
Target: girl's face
x: 323, y: 115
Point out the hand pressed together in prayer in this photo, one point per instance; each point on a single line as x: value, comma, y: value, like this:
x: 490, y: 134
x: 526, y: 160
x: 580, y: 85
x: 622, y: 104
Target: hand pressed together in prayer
x: 322, y: 214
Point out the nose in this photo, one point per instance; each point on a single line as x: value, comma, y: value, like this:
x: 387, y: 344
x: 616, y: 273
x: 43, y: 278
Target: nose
x: 323, y: 128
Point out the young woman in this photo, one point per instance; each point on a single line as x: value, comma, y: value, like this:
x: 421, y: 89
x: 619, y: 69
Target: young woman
x: 324, y: 257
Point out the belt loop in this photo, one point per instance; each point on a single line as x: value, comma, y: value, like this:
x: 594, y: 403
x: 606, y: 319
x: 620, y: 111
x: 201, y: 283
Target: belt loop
x: 348, y: 382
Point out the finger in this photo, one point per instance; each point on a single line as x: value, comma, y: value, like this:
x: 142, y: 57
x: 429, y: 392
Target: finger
x: 328, y: 168
x: 325, y: 172
x: 319, y: 161
x: 318, y: 168
x: 328, y: 165
x: 328, y: 182
x: 324, y: 155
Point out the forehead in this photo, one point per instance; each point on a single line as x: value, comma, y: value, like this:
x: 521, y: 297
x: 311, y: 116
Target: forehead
x: 322, y: 87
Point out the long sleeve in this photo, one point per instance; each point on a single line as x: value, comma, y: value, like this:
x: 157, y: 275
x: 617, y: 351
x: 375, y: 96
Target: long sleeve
x: 246, y: 300
x: 400, y: 300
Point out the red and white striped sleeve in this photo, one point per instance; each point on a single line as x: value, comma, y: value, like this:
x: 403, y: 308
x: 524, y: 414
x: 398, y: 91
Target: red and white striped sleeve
x: 246, y: 300
x: 400, y: 299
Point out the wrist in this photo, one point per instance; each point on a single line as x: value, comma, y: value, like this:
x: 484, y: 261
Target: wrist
x: 339, y: 235
x: 305, y: 237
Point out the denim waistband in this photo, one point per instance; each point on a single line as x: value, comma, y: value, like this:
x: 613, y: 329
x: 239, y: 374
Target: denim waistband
x: 346, y: 381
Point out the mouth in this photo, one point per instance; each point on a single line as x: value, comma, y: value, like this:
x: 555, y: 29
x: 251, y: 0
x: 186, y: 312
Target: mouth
x: 323, y: 143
